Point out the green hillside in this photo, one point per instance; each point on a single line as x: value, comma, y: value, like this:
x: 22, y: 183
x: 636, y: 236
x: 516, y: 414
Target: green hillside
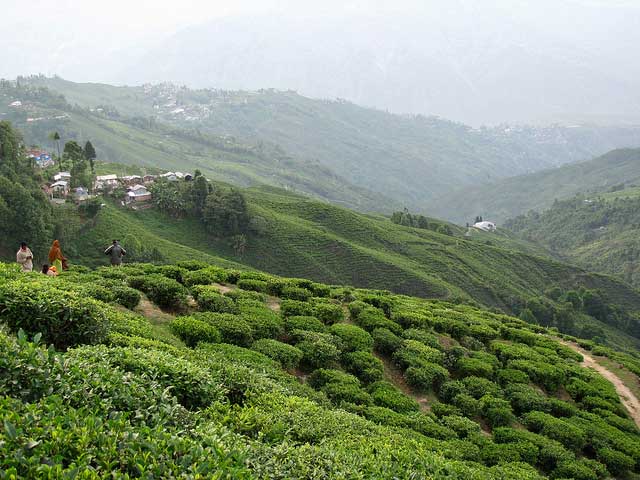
x: 146, y: 143
x: 599, y: 232
x: 246, y: 375
x: 537, y: 191
x: 411, y: 159
x: 308, y: 239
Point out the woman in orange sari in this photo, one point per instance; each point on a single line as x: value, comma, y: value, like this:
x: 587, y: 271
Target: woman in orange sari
x: 55, y: 256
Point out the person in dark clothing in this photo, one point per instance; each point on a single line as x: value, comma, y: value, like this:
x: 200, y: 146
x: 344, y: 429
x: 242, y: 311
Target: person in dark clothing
x: 116, y: 252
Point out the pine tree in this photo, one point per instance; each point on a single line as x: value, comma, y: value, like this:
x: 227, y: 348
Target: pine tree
x: 90, y: 155
x: 55, y: 136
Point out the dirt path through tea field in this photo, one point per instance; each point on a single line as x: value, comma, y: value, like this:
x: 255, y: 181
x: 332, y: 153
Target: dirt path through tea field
x: 628, y: 399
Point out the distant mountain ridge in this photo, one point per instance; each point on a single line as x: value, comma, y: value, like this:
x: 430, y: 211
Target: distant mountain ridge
x: 410, y: 160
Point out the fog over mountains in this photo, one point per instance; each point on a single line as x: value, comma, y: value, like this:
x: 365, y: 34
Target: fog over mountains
x: 475, y: 62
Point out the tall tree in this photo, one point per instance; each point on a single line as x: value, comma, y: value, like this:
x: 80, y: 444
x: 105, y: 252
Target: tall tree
x: 74, y: 155
x: 90, y: 155
x: 55, y: 136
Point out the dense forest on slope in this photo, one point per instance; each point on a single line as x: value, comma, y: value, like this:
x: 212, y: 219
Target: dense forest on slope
x: 599, y: 232
x: 410, y: 159
x: 246, y: 375
x: 537, y: 191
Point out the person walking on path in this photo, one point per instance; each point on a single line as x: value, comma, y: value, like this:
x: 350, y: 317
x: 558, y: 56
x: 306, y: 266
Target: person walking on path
x: 56, y: 258
x: 116, y: 252
x: 24, y: 257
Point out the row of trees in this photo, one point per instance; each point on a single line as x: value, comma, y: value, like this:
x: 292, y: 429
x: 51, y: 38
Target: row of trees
x: 419, y: 221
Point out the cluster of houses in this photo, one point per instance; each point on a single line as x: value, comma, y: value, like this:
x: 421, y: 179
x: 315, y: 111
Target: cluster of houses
x: 40, y: 157
x: 135, y: 186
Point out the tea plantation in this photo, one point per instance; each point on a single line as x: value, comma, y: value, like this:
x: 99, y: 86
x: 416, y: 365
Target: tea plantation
x: 247, y: 375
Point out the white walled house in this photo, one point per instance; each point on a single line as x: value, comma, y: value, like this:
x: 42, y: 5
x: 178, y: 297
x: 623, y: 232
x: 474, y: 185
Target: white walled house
x: 486, y: 226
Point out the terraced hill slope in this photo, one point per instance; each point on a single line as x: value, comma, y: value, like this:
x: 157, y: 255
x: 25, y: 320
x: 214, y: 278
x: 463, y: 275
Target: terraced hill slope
x: 245, y: 375
x: 303, y: 238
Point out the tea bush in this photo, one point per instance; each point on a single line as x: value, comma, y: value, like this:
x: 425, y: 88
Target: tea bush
x: 211, y: 300
x: 164, y: 292
x: 192, y: 331
x: 205, y: 276
x: 263, y: 321
x: 63, y: 318
x: 385, y: 394
x: 311, y: 324
x: 363, y: 365
x: 328, y: 313
x: 295, y: 293
x: 318, y: 350
x: 385, y: 341
x: 353, y: 338
x: 427, y: 376
x: 233, y: 328
x: 237, y: 295
x: 287, y: 355
x: 253, y: 285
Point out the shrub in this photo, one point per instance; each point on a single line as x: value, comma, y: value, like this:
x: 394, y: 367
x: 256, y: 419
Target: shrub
x: 293, y: 308
x: 421, y: 336
x: 163, y: 291
x: 500, y: 453
x: 364, y: 365
x: 478, y: 387
x: 295, y: 293
x: 440, y: 409
x: 288, y: 356
x: 192, y: 265
x: 311, y: 324
x: 572, y: 437
x: 451, y: 389
x: 328, y: 313
x: 474, y: 367
x: 318, y: 350
x: 232, y: 328
x: 173, y: 271
x: 63, y: 318
x: 210, y: 300
x: 372, y: 318
x: 128, y: 323
x: 339, y: 386
x: 385, y: 394
x: 263, y: 322
x: 385, y: 341
x: 497, y: 411
x: 510, y: 376
x: 461, y: 425
x: 192, y: 331
x: 575, y: 470
x: 617, y: 462
x: 427, y: 376
x: 253, y: 285
x: 468, y: 405
x: 125, y: 296
x: 353, y: 338
x: 415, y: 354
x: 205, y: 276
x: 238, y: 295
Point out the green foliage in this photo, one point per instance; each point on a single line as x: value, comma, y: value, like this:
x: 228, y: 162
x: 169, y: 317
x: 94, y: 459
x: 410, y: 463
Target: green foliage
x: 386, y: 341
x: 225, y: 213
x: 339, y: 387
x: 363, y: 365
x: 202, y: 276
x: 572, y: 437
x: 295, y: 293
x: 385, y: 394
x: 192, y: 331
x: 63, y: 318
x: 287, y: 355
x: 353, y: 338
x: 210, y: 300
x: 163, y: 291
x: 427, y: 376
x: 253, y: 285
x: 318, y: 350
x: 311, y: 324
x: 233, y: 328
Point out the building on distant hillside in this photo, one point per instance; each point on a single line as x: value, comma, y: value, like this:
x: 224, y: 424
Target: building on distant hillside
x: 486, y: 226
x: 170, y: 176
x: 16, y: 104
x: 80, y: 194
x: 59, y: 189
x: 137, y: 194
x: 148, y: 179
x: 129, y: 180
x: 42, y: 158
x: 65, y: 176
x: 106, y: 182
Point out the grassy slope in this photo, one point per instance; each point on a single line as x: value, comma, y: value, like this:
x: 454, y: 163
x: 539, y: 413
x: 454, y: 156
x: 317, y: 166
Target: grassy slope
x: 513, y: 196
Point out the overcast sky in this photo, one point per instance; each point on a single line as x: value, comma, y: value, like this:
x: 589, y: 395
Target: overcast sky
x: 90, y: 40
